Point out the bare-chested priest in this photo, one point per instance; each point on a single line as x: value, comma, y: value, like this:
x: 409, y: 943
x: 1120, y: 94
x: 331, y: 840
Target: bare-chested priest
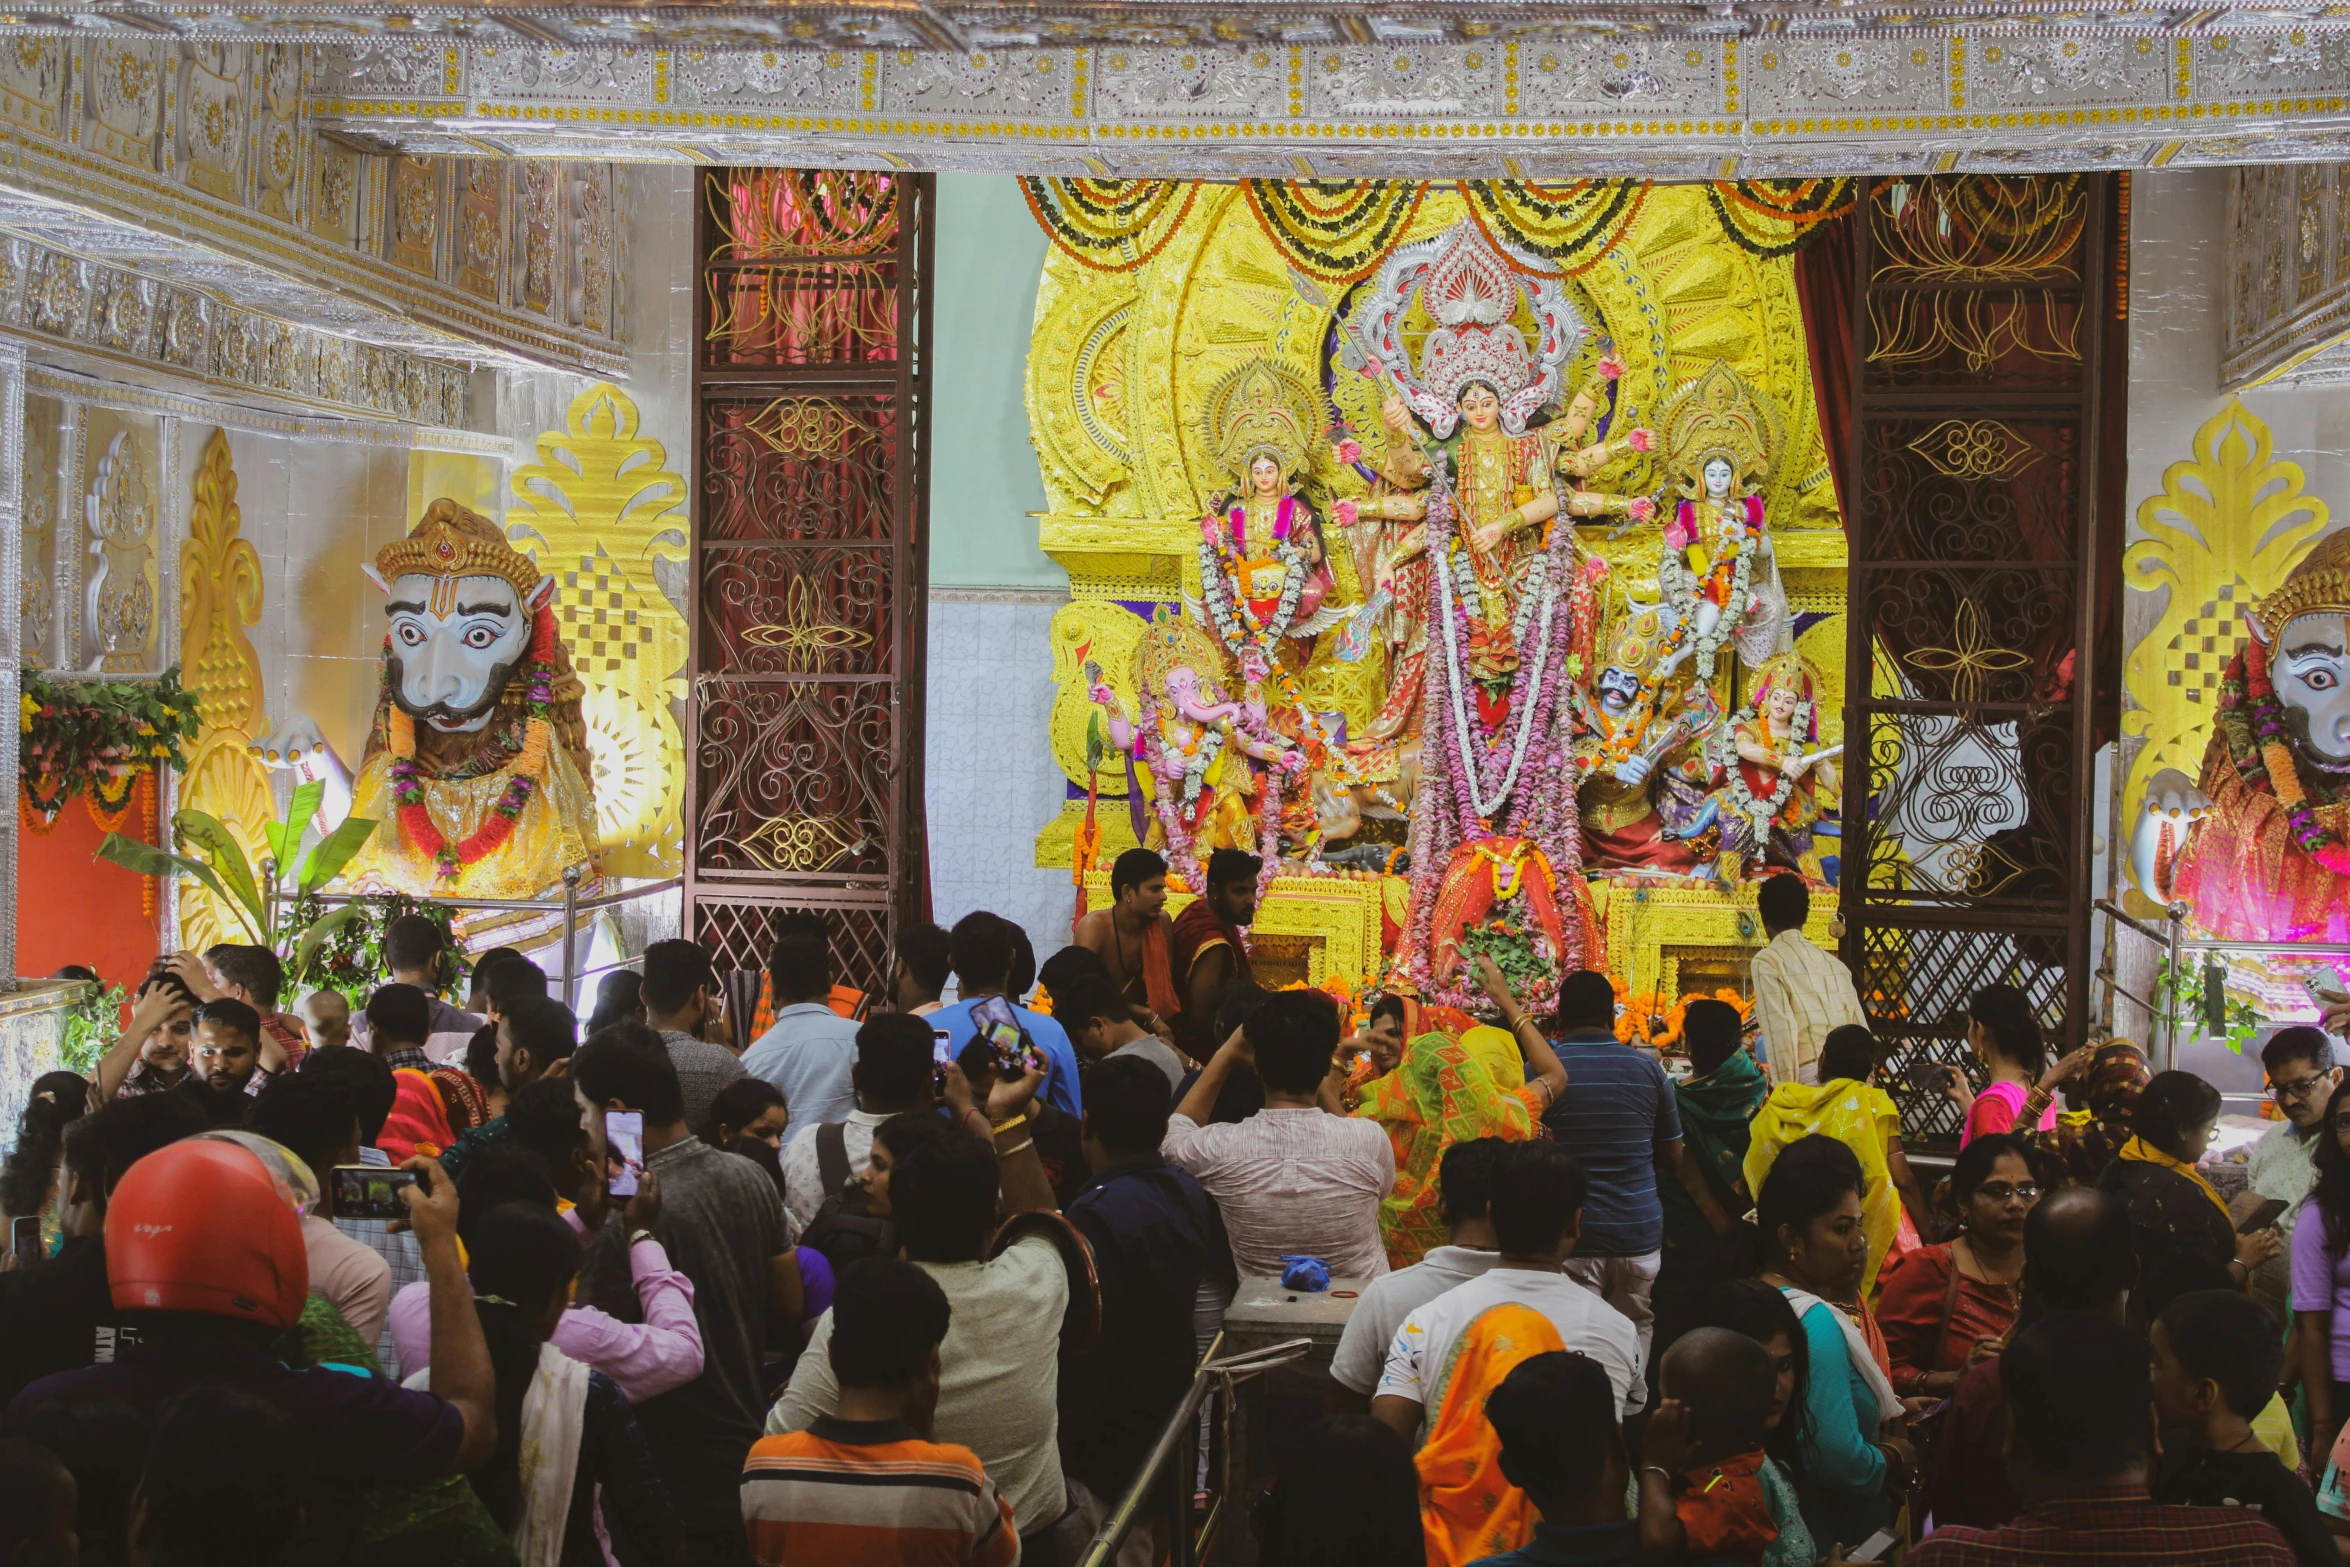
x: 1133, y: 936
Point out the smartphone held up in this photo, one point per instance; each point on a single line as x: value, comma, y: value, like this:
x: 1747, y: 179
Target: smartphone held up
x: 624, y: 1151
x: 370, y: 1191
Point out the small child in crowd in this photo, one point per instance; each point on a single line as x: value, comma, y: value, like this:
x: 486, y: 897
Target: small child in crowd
x: 1701, y: 1485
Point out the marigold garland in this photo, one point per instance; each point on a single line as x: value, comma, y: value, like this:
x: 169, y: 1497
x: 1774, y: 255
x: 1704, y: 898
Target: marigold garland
x: 523, y: 773
x: 1335, y: 230
x: 1571, y: 224
x: 1109, y: 225
x: 1771, y: 218
x: 96, y: 738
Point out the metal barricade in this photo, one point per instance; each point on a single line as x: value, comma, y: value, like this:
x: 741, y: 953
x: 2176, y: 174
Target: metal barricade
x: 571, y: 905
x: 1166, y: 1483
x: 2172, y: 937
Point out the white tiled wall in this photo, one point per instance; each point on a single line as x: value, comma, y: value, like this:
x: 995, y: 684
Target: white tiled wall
x: 990, y: 783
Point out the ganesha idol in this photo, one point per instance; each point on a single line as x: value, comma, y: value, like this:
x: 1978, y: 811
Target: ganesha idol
x: 477, y: 757
x: 2256, y: 847
x: 1221, y: 775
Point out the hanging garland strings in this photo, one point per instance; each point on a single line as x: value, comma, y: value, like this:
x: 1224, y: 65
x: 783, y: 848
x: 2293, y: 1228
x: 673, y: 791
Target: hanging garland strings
x: 1573, y: 223
x: 1109, y: 225
x: 1771, y: 218
x: 1335, y: 230
x: 1338, y: 231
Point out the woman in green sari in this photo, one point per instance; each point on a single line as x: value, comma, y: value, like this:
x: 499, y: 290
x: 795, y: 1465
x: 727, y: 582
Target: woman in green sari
x: 1717, y: 1102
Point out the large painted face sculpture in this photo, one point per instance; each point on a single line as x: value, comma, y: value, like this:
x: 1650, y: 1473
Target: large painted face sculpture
x: 455, y: 640
x: 2309, y: 666
x: 1618, y: 690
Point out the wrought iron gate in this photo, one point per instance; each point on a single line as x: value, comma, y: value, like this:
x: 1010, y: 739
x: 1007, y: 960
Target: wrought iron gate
x: 810, y: 561
x: 1981, y: 508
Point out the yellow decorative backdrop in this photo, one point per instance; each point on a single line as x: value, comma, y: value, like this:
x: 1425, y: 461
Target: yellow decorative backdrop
x: 597, y: 510
x: 220, y: 595
x: 1119, y: 363
x: 2230, y: 523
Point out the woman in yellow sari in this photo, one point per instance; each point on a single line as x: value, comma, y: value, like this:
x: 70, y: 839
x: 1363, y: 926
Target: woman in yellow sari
x: 1845, y: 1106
x: 1448, y: 1090
x: 1468, y: 1510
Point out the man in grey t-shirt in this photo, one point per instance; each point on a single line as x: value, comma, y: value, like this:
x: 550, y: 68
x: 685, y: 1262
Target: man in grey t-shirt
x: 1464, y: 1182
x: 722, y: 1224
x: 1100, y: 1024
x: 681, y: 1002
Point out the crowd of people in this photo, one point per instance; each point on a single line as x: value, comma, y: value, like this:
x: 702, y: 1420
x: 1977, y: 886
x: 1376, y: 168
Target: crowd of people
x: 904, y: 1280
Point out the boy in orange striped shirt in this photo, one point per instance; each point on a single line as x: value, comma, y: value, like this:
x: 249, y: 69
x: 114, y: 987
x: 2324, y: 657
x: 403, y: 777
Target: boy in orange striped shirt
x: 867, y: 1485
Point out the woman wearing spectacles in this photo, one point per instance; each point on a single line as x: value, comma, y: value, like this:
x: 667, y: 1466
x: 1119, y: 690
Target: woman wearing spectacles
x: 1947, y: 1308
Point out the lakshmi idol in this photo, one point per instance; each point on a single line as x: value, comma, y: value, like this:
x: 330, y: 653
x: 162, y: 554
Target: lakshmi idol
x: 1263, y: 573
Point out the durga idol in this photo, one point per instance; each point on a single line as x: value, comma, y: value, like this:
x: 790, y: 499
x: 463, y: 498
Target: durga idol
x: 1476, y: 389
x: 477, y: 757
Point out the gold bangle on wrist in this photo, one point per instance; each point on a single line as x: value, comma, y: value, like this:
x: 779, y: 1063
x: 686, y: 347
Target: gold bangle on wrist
x: 998, y: 1128
x: 1006, y: 1153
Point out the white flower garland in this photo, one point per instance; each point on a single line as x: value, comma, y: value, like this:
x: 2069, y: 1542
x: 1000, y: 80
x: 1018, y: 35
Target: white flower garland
x: 1680, y: 585
x: 1215, y: 560
x: 1485, y: 807
x: 1763, y: 812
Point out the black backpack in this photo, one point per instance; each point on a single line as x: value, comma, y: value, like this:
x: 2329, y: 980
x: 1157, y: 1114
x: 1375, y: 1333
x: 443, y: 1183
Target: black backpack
x: 842, y: 1231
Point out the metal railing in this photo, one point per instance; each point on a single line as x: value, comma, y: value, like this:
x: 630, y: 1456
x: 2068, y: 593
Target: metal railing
x: 570, y: 903
x: 2172, y: 937
x: 1167, y: 1478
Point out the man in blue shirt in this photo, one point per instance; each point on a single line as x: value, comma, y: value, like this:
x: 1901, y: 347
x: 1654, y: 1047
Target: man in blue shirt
x: 1618, y: 1114
x: 809, y: 1050
x: 1155, y: 1233
x: 982, y: 945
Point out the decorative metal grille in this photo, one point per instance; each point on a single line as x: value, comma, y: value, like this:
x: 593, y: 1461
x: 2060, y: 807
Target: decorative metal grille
x: 1983, y: 319
x: 810, y: 562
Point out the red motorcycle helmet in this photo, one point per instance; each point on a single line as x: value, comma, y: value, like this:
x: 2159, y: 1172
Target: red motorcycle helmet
x: 204, y: 1226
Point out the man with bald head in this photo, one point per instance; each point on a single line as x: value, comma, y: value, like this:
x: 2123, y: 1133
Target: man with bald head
x: 2077, y: 1258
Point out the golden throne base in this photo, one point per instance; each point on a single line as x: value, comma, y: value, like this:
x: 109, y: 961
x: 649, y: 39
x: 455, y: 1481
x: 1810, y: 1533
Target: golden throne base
x: 1674, y: 939
x: 1309, y: 929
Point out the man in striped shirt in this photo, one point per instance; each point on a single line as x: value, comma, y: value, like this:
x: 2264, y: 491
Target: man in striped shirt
x: 867, y: 1485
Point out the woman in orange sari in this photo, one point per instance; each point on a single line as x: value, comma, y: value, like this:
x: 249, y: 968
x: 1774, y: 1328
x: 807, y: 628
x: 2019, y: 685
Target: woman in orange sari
x: 1468, y: 1510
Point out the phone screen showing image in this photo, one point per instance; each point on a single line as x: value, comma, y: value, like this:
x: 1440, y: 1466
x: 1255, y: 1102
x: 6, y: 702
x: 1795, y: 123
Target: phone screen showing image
x: 624, y: 1151
x: 369, y: 1191
x: 24, y: 1238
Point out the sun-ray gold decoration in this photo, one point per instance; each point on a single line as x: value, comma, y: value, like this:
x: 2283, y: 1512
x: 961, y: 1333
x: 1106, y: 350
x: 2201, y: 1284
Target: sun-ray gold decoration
x: 598, y: 509
x: 220, y: 595
x: 2228, y: 526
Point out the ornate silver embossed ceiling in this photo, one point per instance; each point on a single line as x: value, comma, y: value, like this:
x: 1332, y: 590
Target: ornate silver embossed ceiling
x: 1224, y: 88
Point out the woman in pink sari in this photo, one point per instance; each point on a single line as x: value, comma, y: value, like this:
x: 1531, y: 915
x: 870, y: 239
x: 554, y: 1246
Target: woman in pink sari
x: 2007, y: 1041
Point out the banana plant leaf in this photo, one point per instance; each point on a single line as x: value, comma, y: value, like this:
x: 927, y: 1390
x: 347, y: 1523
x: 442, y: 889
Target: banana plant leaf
x: 148, y: 860
x: 324, y: 863
x: 285, y: 837
x: 307, y: 944
x: 227, y: 856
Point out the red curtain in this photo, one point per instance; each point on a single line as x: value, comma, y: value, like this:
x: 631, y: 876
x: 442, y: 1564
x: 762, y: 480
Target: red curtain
x: 1823, y: 286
